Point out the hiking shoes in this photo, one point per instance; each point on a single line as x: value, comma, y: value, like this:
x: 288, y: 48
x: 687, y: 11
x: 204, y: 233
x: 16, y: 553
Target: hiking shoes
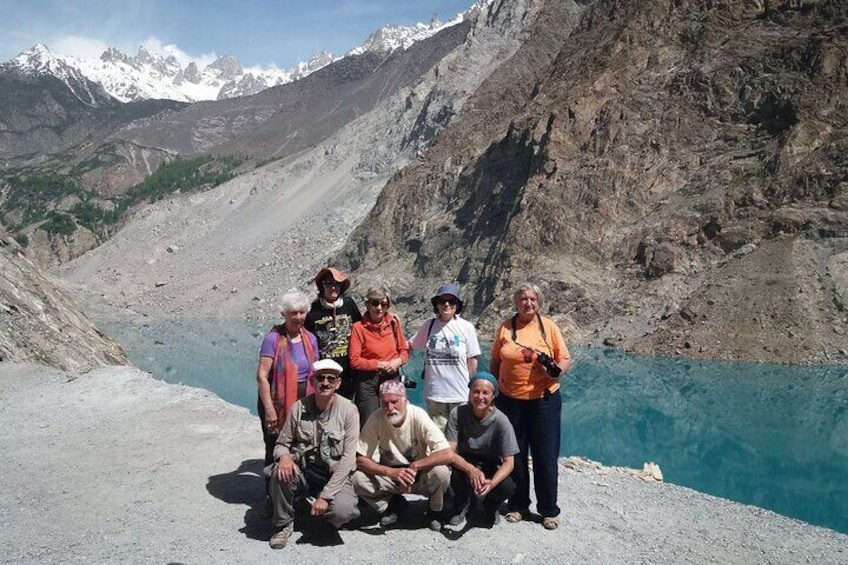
x: 281, y: 538
x: 434, y: 520
x: 458, y: 521
x: 397, y: 504
x: 388, y: 519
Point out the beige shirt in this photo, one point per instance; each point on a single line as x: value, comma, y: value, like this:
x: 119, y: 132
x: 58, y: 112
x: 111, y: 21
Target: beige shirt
x: 416, y: 438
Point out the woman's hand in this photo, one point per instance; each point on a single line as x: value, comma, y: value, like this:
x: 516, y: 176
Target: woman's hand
x: 270, y: 419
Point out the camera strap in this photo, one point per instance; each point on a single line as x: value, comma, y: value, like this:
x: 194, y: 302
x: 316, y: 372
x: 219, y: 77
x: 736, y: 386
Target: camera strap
x: 541, y: 329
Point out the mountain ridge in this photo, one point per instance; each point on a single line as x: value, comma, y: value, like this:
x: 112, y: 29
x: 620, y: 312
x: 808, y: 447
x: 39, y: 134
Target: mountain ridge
x: 149, y: 75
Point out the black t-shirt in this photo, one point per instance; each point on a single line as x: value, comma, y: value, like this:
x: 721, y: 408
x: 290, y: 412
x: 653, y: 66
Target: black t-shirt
x: 332, y: 328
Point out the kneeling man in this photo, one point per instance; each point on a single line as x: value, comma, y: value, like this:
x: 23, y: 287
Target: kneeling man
x: 413, y: 457
x: 315, y: 455
x: 484, y: 443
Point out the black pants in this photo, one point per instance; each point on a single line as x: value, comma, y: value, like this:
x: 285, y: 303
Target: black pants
x: 463, y: 491
x: 367, y: 397
x: 348, y: 386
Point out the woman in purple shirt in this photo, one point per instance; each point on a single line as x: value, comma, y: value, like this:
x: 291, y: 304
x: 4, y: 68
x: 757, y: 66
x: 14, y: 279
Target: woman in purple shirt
x: 285, y: 365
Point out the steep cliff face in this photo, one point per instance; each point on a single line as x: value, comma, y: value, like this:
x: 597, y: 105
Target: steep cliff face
x: 40, y: 324
x: 672, y: 173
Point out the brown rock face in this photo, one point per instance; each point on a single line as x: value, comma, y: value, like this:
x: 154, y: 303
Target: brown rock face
x: 39, y: 324
x: 639, y: 159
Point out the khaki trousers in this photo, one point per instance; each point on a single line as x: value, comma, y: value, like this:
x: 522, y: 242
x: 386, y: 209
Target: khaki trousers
x: 377, y: 490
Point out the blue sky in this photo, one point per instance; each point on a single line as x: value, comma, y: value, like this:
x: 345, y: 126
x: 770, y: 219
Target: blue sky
x: 261, y: 33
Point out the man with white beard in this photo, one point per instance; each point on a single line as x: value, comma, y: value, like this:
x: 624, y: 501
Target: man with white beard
x: 413, y: 458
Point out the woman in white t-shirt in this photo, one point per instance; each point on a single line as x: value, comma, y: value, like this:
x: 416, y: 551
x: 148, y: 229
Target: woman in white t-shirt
x: 450, y: 354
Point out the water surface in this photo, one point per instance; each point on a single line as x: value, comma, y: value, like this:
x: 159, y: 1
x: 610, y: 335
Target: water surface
x: 775, y: 436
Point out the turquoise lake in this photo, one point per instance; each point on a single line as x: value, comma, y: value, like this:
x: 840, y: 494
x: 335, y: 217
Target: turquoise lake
x: 774, y: 436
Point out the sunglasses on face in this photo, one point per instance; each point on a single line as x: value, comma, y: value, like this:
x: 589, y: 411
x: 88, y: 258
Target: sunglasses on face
x: 330, y: 283
x: 446, y: 301
x: 331, y: 379
x: 374, y: 303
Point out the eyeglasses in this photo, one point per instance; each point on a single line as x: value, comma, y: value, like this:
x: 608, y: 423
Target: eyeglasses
x: 329, y: 283
x: 374, y: 303
x: 331, y: 379
x: 446, y: 301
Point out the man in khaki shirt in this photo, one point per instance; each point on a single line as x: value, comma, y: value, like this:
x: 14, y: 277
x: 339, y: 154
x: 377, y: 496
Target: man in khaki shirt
x: 315, y: 456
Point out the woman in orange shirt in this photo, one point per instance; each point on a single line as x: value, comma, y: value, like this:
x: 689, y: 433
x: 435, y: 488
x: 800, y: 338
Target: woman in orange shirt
x: 528, y: 356
x: 377, y: 350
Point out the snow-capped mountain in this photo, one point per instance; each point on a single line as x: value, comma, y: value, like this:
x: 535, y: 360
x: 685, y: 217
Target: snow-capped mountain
x: 151, y: 75
x: 158, y: 76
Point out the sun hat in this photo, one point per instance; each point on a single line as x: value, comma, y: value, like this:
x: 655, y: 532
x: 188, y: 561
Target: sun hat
x: 450, y: 289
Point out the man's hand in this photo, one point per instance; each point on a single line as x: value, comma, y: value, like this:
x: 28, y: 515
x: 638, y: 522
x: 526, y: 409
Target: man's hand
x: 404, y: 477
x: 287, y: 469
x: 320, y: 507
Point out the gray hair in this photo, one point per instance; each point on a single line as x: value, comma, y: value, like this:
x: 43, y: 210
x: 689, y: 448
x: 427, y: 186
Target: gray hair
x: 532, y: 287
x: 294, y: 301
x: 380, y: 293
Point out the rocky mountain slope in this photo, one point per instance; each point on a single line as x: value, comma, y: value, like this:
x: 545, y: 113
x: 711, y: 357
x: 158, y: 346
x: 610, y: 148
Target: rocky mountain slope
x: 672, y: 173
x: 233, y: 250
x: 40, y: 324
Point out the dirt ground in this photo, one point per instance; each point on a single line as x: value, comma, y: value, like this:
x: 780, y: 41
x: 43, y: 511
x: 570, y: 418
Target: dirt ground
x: 115, y: 466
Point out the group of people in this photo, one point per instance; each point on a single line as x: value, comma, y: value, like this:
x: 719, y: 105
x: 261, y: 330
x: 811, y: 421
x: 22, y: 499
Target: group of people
x: 338, y: 426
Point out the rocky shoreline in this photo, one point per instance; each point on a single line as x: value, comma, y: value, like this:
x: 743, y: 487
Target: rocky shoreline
x: 113, y: 465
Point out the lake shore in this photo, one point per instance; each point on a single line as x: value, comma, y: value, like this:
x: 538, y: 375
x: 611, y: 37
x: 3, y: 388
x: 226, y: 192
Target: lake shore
x: 113, y: 465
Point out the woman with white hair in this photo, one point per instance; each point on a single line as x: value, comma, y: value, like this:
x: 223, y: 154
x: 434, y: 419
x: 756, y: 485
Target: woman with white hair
x: 285, y: 367
x: 528, y: 356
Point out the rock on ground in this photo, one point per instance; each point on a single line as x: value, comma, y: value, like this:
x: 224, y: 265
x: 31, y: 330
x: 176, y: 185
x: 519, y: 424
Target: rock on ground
x: 114, y: 466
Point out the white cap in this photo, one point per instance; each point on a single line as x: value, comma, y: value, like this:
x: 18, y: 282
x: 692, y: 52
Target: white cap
x: 325, y: 366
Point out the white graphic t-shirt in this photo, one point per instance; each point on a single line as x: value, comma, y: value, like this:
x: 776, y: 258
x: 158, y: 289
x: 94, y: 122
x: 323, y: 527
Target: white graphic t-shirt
x: 446, y: 353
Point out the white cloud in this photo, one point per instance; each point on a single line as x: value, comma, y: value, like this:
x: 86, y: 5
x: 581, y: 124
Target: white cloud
x: 80, y: 47
x: 155, y: 45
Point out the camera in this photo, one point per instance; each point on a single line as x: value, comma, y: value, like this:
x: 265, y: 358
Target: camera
x: 407, y: 382
x: 549, y: 364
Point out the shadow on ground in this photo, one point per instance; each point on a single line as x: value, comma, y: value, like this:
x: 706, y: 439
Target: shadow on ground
x: 245, y: 485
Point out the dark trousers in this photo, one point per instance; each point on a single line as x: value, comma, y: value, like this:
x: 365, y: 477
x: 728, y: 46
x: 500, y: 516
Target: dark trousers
x: 463, y: 491
x: 537, y: 429
x: 367, y: 397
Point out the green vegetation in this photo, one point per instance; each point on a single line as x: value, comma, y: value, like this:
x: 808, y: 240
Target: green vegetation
x: 22, y: 239
x: 183, y: 175
x: 32, y: 196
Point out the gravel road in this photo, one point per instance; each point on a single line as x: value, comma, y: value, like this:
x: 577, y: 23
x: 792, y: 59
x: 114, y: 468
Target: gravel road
x: 115, y: 466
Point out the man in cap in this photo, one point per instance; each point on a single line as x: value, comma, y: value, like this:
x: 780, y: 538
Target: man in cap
x: 484, y: 443
x: 413, y: 457
x: 315, y: 456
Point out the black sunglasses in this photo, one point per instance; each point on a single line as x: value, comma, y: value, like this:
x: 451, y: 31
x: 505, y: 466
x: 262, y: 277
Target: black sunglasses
x: 331, y: 379
x: 443, y: 301
x: 330, y: 282
x: 374, y: 302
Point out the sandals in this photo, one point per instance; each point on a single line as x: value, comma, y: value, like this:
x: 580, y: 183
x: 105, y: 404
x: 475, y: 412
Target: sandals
x: 513, y: 517
x: 549, y: 523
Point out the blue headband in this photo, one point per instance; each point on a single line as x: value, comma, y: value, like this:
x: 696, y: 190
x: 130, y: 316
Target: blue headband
x: 484, y: 376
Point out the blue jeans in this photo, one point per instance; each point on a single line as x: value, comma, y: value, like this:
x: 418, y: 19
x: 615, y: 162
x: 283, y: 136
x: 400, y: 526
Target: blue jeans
x: 537, y: 428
